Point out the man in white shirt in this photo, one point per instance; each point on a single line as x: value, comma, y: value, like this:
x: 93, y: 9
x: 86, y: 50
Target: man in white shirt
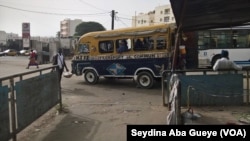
x: 59, y: 60
x: 225, y: 63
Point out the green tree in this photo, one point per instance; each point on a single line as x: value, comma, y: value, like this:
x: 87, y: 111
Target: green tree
x: 86, y: 27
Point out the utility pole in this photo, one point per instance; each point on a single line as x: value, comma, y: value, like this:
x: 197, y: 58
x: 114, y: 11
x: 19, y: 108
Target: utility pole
x: 112, y: 19
x: 135, y: 18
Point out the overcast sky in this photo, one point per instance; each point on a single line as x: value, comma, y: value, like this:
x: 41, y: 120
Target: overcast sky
x: 44, y: 16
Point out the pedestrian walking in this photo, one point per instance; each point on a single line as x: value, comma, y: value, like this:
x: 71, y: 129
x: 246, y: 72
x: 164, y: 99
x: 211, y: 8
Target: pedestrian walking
x: 32, y: 59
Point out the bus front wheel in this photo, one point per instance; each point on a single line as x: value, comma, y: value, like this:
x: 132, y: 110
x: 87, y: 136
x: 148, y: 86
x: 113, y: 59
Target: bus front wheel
x: 145, y: 80
x: 91, y: 77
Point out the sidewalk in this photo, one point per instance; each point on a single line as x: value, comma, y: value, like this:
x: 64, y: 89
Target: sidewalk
x: 97, y: 112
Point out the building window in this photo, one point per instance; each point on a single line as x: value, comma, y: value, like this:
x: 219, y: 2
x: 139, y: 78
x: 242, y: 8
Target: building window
x: 160, y: 19
x: 166, y: 19
x: 161, y: 12
x: 167, y: 11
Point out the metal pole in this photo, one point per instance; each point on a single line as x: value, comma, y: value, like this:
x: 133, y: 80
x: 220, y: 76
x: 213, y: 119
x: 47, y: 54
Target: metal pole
x: 12, y: 108
x: 112, y: 19
x: 178, y: 104
x: 248, y: 95
x: 60, y: 98
x: 60, y: 91
x: 163, y: 89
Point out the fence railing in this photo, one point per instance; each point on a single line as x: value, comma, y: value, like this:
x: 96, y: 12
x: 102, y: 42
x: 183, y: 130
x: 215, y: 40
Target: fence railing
x: 198, y: 87
x: 24, y: 97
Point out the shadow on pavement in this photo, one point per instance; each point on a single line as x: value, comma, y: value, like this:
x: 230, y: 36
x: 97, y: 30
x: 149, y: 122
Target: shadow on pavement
x: 73, y: 127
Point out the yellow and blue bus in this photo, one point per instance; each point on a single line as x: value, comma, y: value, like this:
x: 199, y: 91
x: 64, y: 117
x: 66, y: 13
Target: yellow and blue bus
x: 147, y: 52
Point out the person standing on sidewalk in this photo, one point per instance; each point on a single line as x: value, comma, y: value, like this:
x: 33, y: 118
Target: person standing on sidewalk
x: 32, y: 59
x: 59, y: 60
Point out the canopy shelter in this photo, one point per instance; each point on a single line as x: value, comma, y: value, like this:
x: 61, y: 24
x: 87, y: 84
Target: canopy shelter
x: 192, y: 15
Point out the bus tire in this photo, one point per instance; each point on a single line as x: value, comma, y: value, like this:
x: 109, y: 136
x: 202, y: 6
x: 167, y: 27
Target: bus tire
x: 145, y: 80
x: 91, y: 77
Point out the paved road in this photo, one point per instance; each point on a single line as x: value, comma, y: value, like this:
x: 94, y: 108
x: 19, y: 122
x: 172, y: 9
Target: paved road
x: 10, y: 65
x: 95, y: 112
x: 15, y: 64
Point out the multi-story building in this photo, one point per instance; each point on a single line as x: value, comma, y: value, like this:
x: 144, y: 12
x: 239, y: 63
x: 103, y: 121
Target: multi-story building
x: 44, y: 39
x: 3, y: 37
x: 13, y: 36
x: 3, y: 40
x: 67, y: 27
x: 161, y: 14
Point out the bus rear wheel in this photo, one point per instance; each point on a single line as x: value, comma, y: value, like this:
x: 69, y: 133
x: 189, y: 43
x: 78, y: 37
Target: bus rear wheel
x: 145, y: 80
x: 91, y: 77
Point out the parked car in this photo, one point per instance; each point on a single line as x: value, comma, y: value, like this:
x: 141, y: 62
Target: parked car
x: 10, y: 52
x: 24, y: 52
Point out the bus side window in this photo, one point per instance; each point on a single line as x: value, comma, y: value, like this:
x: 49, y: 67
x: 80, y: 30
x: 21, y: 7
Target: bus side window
x: 161, y: 42
x: 138, y: 44
x: 110, y: 47
x: 123, y: 43
x: 129, y: 44
x: 106, y: 47
x: 146, y: 43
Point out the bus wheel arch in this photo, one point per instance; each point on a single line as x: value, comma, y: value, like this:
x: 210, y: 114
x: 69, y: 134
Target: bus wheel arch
x: 215, y: 58
x: 145, y: 79
x: 91, y: 76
